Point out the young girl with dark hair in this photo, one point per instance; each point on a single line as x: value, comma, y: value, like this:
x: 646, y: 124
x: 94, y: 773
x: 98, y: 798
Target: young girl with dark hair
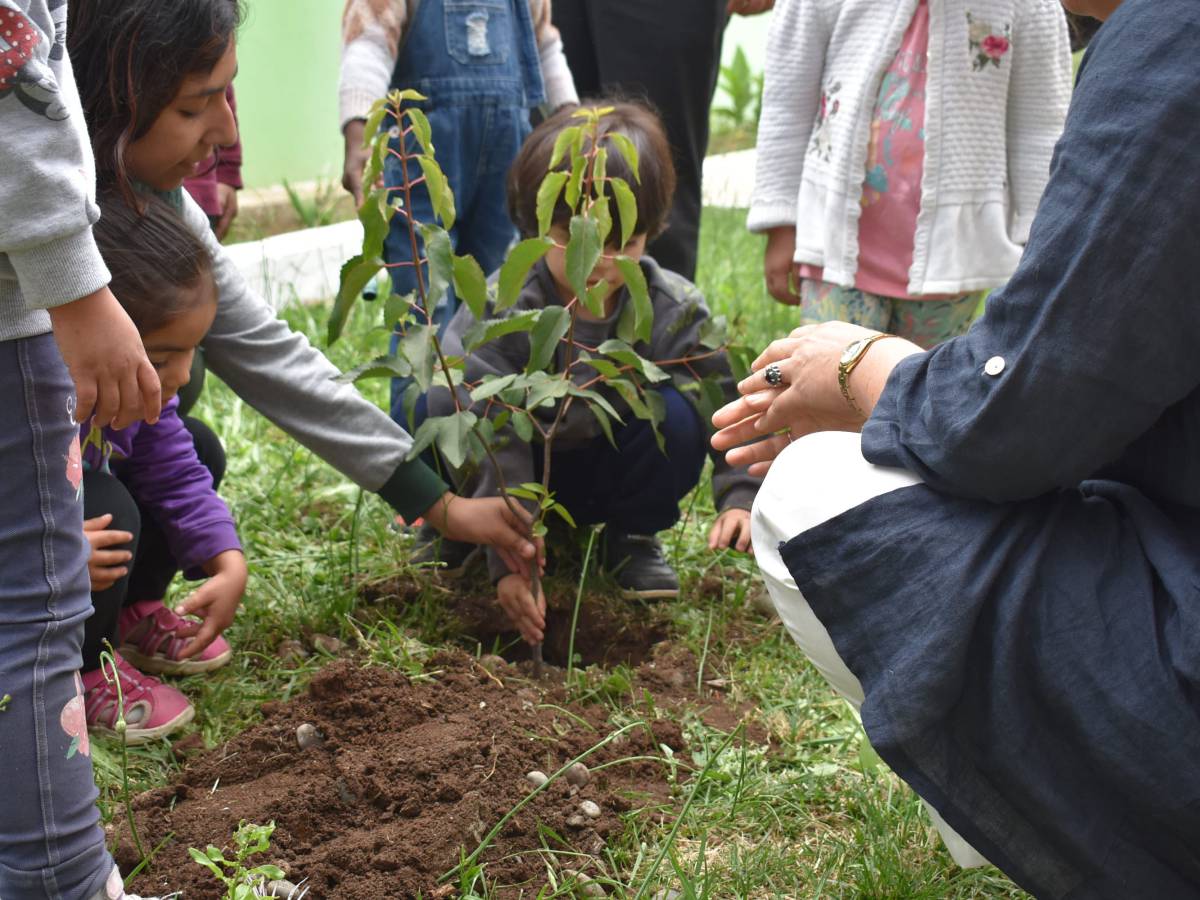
x: 149, y: 491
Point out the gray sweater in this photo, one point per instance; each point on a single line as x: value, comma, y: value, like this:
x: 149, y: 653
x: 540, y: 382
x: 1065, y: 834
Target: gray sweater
x: 279, y: 373
x: 679, y: 313
x: 47, y: 182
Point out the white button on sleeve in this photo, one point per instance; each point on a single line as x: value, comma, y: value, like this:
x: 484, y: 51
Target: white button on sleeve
x: 994, y: 366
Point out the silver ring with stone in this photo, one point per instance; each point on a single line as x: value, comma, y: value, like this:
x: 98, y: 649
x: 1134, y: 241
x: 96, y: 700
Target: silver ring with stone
x: 773, y: 374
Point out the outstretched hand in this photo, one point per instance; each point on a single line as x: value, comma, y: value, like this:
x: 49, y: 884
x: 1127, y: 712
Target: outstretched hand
x: 215, y: 602
x: 493, y: 522
x: 731, y: 530
x: 526, y: 612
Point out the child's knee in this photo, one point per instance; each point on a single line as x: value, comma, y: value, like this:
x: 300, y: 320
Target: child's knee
x: 683, y: 431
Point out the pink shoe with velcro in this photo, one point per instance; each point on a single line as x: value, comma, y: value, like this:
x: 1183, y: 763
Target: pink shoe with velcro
x: 152, y: 709
x: 149, y: 637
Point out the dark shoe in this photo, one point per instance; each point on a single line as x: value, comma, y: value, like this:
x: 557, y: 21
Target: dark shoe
x: 640, y: 569
x: 451, y: 558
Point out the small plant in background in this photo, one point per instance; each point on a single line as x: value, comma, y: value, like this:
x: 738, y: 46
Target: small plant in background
x: 4, y: 701
x: 486, y: 410
x: 318, y: 209
x: 242, y: 883
x: 735, y: 124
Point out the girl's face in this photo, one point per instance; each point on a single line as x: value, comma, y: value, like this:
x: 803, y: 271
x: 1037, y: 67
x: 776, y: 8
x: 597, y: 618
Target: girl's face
x: 181, y: 141
x: 1097, y: 9
x: 172, y: 347
x: 606, y: 269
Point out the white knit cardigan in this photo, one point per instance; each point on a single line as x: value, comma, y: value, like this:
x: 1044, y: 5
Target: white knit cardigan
x: 990, y: 131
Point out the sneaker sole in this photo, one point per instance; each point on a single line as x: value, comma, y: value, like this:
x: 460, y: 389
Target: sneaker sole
x: 158, y: 665
x: 652, y: 594
x: 136, y: 736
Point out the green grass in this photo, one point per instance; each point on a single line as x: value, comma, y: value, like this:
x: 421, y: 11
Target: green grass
x: 809, y: 813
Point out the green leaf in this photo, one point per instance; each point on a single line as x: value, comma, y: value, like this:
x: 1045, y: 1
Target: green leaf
x: 203, y: 860
x: 356, y: 275
x: 546, y: 389
x: 492, y: 385
x: 603, y: 366
x: 712, y: 332
x: 516, y: 268
x: 552, y: 324
x: 594, y: 398
x: 595, y: 297
x: 627, y: 149
x: 379, y: 109
x: 454, y: 437
x: 470, y: 284
x: 547, y: 198
x: 575, y: 182
x: 424, y: 437
x: 562, y: 511
x: 380, y: 367
x: 271, y: 873
x: 601, y: 212
x: 623, y: 353
x: 605, y: 425
x: 566, y: 138
x: 440, y: 255
x: 408, y: 94
x: 639, y: 294
x: 599, y: 172
x: 375, y: 163
x: 626, y: 208
x: 416, y: 346
x: 488, y: 330
x: 523, y: 426
x: 627, y: 324
x: 398, y: 309
x: 376, y: 218
x: 440, y: 195
x: 583, y: 252
x: 420, y: 127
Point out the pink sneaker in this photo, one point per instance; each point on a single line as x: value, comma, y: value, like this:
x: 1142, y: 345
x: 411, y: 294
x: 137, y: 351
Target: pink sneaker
x: 149, y: 639
x: 152, y: 709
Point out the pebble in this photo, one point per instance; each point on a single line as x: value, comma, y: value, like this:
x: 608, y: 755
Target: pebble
x: 308, y: 737
x: 282, y: 888
x: 576, y: 821
x: 668, y: 894
x: 578, y: 775
x: 589, y: 809
x: 492, y: 662
x: 328, y: 644
x: 536, y: 778
x: 291, y: 651
x: 584, y: 884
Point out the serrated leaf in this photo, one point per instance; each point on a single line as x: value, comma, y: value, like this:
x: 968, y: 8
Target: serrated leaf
x: 601, y: 212
x: 470, y: 284
x: 420, y: 127
x: 379, y: 109
x: 552, y: 324
x: 627, y: 149
x: 416, y: 346
x: 594, y: 398
x: 595, y: 297
x: 516, y: 268
x: 440, y: 268
x: 481, y: 333
x: 376, y: 218
x: 627, y: 324
x: 424, y: 437
x: 713, y: 332
x: 583, y: 252
x: 547, y: 198
x: 562, y: 143
x: 409, y: 95
x: 545, y: 389
x: 386, y: 366
x: 375, y: 164
x: 454, y: 436
x: 440, y: 195
x: 605, y: 367
x: 356, y: 275
x: 575, y: 183
x: 639, y: 295
x: 397, y: 308
x: 626, y: 208
x: 623, y: 353
x: 599, y: 172
x: 491, y: 385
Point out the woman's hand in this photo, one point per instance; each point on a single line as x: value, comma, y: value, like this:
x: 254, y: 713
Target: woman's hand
x: 216, y: 601
x: 779, y: 265
x: 491, y: 521
x: 106, y: 567
x: 731, y: 530
x: 748, y: 7
x: 808, y: 399
x: 354, y: 161
x: 227, y: 199
x: 527, y: 613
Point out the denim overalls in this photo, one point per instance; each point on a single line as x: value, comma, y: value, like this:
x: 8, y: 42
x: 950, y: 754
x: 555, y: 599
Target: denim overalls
x: 477, y: 63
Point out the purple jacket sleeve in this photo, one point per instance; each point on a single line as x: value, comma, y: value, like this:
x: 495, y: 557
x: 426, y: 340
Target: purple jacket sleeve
x: 167, y: 479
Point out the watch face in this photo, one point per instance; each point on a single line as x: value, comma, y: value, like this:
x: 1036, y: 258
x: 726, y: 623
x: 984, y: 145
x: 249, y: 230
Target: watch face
x: 852, y: 351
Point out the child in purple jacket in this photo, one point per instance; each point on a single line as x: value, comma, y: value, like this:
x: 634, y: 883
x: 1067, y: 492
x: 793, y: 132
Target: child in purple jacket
x: 149, y: 492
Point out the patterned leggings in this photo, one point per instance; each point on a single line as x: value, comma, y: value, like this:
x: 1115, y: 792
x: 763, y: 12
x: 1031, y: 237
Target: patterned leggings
x: 924, y: 322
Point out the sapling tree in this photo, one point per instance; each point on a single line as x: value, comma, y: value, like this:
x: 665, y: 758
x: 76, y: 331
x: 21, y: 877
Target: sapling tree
x: 560, y: 372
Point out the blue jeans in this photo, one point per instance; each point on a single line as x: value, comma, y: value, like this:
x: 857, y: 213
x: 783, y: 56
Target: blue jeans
x: 50, y: 842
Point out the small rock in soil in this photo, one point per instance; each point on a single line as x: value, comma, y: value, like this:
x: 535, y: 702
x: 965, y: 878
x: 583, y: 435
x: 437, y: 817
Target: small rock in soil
x: 576, y: 821
x: 671, y: 894
x: 308, y: 737
x: 328, y: 644
x: 282, y: 888
x: 291, y: 651
x: 536, y: 778
x: 492, y: 662
x: 578, y: 775
x: 344, y: 793
x: 589, y: 809
x: 584, y: 884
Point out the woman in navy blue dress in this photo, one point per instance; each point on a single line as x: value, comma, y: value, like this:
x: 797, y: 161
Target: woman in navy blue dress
x: 1003, y: 571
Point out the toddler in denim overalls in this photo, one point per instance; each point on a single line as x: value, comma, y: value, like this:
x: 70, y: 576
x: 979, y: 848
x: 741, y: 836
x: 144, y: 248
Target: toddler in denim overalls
x: 483, y: 65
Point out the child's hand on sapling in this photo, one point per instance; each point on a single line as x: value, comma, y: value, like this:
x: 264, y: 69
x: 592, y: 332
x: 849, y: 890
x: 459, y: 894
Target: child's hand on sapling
x: 216, y: 601
x: 528, y: 615
x: 731, y: 529
x: 106, y: 567
x: 779, y: 265
x: 104, y: 354
x: 490, y: 521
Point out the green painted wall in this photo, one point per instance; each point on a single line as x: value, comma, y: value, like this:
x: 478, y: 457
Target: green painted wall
x: 288, y: 55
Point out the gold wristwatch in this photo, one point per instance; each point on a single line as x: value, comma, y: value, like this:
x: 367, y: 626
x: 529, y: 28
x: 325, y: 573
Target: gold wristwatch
x: 851, y: 357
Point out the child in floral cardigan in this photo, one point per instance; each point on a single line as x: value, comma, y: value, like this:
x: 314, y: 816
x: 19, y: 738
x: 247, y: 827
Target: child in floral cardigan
x: 903, y: 149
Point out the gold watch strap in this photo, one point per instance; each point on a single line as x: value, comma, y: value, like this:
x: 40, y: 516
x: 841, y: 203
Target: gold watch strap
x: 846, y: 366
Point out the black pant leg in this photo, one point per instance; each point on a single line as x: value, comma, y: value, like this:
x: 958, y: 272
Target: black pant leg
x: 667, y: 52
x: 102, y: 493
x: 154, y: 566
x: 570, y: 17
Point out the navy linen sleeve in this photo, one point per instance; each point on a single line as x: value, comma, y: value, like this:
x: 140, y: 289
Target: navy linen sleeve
x: 1096, y: 336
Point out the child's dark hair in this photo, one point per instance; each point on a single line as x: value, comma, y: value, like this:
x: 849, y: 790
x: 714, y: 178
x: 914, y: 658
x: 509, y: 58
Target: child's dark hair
x: 130, y: 58
x: 653, y: 192
x: 154, y: 258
